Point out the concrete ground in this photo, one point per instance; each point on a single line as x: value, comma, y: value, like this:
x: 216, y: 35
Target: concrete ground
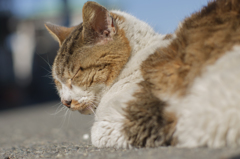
x: 41, y: 132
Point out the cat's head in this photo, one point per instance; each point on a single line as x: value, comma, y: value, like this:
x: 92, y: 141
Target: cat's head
x: 90, y: 57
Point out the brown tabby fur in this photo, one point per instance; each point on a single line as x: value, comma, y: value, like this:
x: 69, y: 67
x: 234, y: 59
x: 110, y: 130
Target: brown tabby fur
x: 82, y: 59
x: 202, y: 39
x: 90, y: 63
x: 147, y: 124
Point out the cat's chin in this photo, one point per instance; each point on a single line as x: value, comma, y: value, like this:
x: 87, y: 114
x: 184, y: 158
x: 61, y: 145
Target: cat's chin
x: 83, y: 107
x: 86, y: 111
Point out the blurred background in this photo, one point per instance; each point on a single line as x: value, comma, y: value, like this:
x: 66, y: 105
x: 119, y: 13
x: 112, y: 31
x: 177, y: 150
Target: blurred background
x: 27, y: 50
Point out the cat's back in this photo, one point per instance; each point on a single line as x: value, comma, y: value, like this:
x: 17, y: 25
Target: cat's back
x: 200, y: 41
x: 198, y: 75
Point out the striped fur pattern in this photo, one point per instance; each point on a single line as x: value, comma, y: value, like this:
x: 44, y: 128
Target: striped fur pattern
x: 148, y: 89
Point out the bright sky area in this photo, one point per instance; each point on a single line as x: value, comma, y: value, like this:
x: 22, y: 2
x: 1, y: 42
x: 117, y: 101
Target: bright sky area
x: 163, y: 15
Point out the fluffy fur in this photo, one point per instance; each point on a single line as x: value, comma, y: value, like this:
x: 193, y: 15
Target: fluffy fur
x: 171, y: 73
x: 148, y: 89
x: 210, y: 113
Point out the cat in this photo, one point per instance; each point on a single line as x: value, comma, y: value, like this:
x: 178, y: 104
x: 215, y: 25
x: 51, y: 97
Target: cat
x: 148, y: 89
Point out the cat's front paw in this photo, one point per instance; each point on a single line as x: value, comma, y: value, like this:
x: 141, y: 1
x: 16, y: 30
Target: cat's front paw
x: 108, y: 134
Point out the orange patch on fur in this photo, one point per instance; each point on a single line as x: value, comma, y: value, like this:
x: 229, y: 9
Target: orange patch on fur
x: 203, y: 38
x: 146, y: 123
x: 83, y: 108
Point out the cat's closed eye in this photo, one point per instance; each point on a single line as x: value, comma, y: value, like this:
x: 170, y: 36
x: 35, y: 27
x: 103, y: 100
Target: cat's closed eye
x: 102, y: 67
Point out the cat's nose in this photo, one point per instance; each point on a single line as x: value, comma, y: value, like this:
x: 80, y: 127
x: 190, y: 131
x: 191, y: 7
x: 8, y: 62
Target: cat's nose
x: 67, y: 103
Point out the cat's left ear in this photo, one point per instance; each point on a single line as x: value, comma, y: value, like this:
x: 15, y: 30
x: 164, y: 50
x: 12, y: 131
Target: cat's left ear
x: 98, y: 19
x: 59, y: 33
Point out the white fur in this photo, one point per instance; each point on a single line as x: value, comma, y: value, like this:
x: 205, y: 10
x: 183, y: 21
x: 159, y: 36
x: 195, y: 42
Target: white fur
x: 65, y: 93
x: 106, y: 131
x: 210, y: 114
x: 109, y: 116
x: 75, y: 93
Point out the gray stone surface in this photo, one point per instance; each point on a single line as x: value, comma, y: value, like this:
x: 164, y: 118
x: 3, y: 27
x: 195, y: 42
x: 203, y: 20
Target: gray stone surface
x: 34, y: 132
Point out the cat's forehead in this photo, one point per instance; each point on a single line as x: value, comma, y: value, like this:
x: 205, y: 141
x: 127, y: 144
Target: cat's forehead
x: 70, y: 42
x: 99, y: 60
x: 65, y: 52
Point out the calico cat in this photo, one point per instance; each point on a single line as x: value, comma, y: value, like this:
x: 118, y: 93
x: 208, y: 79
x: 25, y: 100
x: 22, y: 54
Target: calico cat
x: 148, y: 89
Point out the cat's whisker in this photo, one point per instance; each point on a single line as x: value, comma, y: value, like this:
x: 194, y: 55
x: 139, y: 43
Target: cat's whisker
x: 68, y: 116
x: 65, y: 115
x: 46, y: 61
x: 58, y: 110
x: 47, y: 70
x: 49, y: 63
x: 93, y: 104
x: 56, y: 104
x: 64, y: 109
x: 92, y: 109
x: 93, y: 112
x: 61, y: 109
x: 49, y: 75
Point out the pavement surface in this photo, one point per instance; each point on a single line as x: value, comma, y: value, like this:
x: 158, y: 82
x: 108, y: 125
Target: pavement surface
x: 44, y: 132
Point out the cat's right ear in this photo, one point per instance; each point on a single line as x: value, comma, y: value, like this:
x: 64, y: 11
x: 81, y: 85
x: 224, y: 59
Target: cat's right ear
x: 59, y: 33
x: 98, y: 19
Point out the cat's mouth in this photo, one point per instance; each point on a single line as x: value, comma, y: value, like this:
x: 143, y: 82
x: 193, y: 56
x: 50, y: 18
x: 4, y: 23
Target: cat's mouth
x: 86, y: 108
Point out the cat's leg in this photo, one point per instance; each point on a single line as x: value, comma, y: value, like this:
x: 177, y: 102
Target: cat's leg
x: 107, y: 133
x: 109, y: 119
x: 146, y: 123
x: 133, y: 118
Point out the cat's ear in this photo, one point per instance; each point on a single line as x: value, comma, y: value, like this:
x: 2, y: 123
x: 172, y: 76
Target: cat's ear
x: 59, y: 33
x: 98, y: 19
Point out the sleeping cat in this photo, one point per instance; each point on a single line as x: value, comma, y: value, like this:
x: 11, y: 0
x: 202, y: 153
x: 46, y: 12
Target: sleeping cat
x: 148, y: 89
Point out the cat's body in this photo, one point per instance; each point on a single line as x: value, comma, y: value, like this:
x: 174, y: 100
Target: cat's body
x: 150, y: 89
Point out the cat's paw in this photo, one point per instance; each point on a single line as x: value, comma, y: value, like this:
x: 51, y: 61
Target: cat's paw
x: 108, y: 134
